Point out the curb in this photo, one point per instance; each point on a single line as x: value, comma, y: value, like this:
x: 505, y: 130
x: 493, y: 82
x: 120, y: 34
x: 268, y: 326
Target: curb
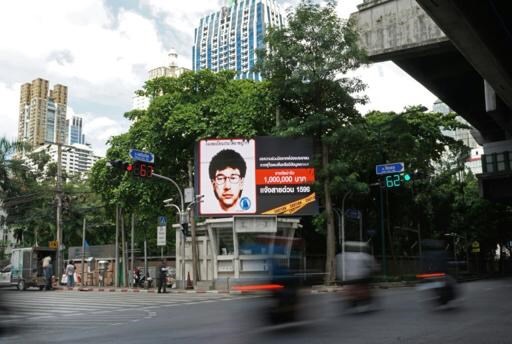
x: 150, y: 291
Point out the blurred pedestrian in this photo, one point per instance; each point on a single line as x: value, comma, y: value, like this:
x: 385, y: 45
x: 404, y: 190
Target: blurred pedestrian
x: 49, y: 276
x: 162, y: 276
x: 70, y: 272
x: 48, y: 271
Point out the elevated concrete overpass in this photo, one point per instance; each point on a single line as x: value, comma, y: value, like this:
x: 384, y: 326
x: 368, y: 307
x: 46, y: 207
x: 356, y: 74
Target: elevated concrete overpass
x: 461, y: 50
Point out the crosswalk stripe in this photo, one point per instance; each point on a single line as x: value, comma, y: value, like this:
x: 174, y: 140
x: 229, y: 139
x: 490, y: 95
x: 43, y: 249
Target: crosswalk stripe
x: 76, y: 306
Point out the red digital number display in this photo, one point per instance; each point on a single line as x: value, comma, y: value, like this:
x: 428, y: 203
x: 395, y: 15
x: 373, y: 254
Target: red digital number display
x: 143, y: 170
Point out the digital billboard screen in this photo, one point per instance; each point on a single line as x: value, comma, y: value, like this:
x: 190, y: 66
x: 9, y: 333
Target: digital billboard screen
x: 264, y: 176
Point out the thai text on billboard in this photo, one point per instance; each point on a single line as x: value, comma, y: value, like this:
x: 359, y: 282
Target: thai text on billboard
x: 264, y: 175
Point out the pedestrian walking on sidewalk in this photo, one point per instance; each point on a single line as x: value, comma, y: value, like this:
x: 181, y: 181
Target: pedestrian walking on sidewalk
x: 70, y: 272
x: 162, y: 276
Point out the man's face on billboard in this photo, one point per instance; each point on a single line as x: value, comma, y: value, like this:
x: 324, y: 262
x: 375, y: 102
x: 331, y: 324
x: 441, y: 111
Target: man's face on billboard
x: 228, y: 185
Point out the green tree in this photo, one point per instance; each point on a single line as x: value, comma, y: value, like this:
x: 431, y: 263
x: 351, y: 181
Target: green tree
x: 306, y: 65
x: 182, y: 111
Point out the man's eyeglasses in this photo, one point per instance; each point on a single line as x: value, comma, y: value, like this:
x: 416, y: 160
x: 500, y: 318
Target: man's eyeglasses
x: 220, y: 179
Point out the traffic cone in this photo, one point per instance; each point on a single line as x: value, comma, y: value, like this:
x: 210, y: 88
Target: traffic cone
x: 189, y: 282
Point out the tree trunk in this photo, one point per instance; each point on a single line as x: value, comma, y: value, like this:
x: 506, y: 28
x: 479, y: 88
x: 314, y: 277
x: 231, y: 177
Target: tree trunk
x: 331, y: 239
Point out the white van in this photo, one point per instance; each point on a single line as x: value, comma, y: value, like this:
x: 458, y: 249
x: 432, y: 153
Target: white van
x: 26, y: 268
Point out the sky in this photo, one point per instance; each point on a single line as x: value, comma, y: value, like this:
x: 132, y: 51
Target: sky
x: 103, y: 49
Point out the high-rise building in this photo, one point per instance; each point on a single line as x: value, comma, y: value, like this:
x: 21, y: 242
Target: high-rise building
x: 172, y: 71
x: 228, y: 39
x: 76, y: 159
x: 473, y: 161
x: 42, y: 116
x: 74, y: 130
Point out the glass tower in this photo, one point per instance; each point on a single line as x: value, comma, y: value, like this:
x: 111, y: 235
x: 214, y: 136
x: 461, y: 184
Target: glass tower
x: 74, y: 130
x: 228, y: 39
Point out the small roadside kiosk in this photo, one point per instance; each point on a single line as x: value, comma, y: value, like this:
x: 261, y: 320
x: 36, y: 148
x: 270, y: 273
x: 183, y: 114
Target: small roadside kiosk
x: 236, y: 248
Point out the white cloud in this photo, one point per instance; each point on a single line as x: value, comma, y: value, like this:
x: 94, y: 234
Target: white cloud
x: 9, y: 110
x: 103, y: 57
x: 78, y: 44
x: 99, y: 129
x: 391, y: 89
x: 182, y: 15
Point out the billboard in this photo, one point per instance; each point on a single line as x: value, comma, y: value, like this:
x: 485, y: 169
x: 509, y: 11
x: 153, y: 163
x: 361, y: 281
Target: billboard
x: 264, y: 176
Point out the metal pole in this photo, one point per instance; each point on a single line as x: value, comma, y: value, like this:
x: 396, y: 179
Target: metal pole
x: 145, y: 255
x: 175, y: 184
x: 116, y: 268
x: 182, y: 245
x: 83, y: 252
x: 343, y: 233
x: 360, y: 226
x: 132, y: 238
x: 59, y: 211
x: 192, y: 229
x: 337, y: 212
x: 183, y: 259
x: 125, y: 255
x: 382, y: 233
x: 419, y: 241
x: 455, y: 255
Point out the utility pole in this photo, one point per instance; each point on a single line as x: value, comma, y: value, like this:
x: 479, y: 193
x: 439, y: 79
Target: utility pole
x: 132, y: 238
x: 83, y: 251
x: 125, y: 255
x: 192, y: 230
x: 116, y: 267
x: 59, y: 211
x: 382, y: 232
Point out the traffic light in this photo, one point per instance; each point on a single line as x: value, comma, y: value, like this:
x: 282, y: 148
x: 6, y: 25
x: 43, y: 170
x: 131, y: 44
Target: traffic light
x: 142, y: 169
x: 120, y: 165
x: 138, y: 168
x: 397, y: 179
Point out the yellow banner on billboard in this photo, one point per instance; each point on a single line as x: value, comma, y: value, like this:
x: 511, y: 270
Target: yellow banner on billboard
x: 291, y: 208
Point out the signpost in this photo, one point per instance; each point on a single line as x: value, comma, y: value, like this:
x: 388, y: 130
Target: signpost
x: 386, y: 169
x: 161, y: 232
x: 475, y: 247
x: 138, y: 155
x: 395, y: 167
x: 189, y: 195
x: 353, y: 214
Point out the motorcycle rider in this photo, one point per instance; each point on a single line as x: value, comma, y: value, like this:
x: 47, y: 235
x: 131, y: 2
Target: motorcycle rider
x: 359, y: 268
x: 136, y: 277
x: 434, y: 268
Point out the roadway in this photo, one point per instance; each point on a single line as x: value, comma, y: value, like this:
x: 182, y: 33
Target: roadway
x: 482, y: 315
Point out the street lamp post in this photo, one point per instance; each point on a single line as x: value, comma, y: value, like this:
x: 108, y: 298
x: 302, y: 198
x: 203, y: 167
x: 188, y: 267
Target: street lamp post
x: 182, y: 203
x: 167, y: 204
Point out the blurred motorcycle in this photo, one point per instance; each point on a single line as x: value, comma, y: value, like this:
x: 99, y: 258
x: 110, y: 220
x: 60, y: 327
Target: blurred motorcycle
x: 140, y: 281
x: 441, y: 285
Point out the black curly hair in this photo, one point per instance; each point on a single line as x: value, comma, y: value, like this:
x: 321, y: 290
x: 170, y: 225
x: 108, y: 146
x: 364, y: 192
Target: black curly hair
x: 224, y: 159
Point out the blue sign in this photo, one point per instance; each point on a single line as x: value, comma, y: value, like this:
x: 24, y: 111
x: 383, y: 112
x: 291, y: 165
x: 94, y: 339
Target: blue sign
x: 138, y: 155
x: 353, y: 214
x: 162, y: 221
x: 395, y: 167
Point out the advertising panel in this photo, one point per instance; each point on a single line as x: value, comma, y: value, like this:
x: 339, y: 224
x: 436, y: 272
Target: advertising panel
x: 265, y: 175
